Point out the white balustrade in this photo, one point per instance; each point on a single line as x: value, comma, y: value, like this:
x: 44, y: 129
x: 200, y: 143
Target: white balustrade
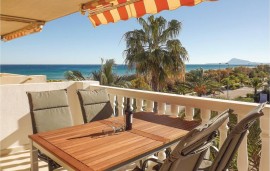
x: 223, y: 131
x: 162, y: 155
x: 242, y: 157
x: 161, y: 108
x: 120, y: 101
x: 205, y: 115
x: 265, y: 127
x: 149, y: 106
x: 174, y: 110
x: 139, y: 105
x: 190, y: 103
x: 189, y: 112
x: 112, y: 100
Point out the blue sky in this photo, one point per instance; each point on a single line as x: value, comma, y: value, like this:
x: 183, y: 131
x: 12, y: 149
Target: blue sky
x: 212, y: 32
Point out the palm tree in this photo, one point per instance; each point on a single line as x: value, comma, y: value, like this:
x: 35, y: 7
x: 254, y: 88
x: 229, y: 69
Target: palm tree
x: 74, y: 75
x: 154, y: 52
x: 256, y: 83
x: 105, y: 75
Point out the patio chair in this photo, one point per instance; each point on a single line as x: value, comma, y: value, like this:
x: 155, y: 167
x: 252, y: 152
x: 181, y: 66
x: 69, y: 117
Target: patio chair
x: 190, y: 151
x: 49, y: 110
x: 232, y: 142
x: 95, y: 105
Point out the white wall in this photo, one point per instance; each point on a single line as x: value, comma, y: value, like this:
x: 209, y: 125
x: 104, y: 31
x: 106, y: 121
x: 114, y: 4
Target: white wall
x: 21, y: 79
x: 15, y: 122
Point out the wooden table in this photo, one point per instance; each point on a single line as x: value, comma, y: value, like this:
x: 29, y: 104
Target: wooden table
x: 85, y: 148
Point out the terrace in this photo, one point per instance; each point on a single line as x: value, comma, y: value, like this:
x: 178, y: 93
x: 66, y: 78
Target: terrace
x: 16, y: 123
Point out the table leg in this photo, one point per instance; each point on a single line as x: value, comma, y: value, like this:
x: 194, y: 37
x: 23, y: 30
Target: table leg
x: 33, y: 157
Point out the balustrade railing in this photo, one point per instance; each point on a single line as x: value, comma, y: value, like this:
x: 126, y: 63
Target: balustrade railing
x: 172, y: 104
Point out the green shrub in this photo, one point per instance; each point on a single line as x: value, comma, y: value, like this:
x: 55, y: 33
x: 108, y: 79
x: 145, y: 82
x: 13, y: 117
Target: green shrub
x: 250, y: 95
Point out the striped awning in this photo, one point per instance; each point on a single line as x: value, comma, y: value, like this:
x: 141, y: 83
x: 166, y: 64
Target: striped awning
x: 107, y: 11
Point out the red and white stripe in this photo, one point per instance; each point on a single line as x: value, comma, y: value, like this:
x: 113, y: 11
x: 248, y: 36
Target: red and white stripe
x: 135, y: 9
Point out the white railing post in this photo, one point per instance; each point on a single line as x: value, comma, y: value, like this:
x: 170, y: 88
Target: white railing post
x: 265, y: 156
x: 139, y: 105
x: 189, y: 113
x: 174, y: 110
x: 112, y: 100
x: 205, y: 115
x: 223, y: 130
x: 120, y: 101
x: 149, y: 106
x: 161, y: 108
x: 242, y: 157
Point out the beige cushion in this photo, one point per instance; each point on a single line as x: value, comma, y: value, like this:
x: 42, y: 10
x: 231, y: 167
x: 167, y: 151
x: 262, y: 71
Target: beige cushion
x: 49, y: 110
x: 95, y: 105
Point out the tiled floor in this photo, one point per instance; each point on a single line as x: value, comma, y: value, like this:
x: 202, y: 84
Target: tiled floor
x: 20, y: 162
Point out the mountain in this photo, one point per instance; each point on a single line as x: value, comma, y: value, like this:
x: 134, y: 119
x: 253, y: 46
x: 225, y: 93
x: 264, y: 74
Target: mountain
x: 235, y: 61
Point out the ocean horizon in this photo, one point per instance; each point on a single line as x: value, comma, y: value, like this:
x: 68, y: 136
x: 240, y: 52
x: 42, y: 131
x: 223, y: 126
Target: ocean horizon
x: 56, y: 71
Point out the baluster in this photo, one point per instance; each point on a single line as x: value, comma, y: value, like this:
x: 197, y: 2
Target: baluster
x: 120, y: 101
x: 139, y: 105
x: 151, y: 164
x: 162, y: 155
x: 189, y: 113
x: 131, y: 101
x: 242, y: 157
x: 174, y: 110
x: 161, y: 108
x: 265, y: 156
x: 149, y: 106
x: 223, y: 131
x: 112, y: 100
x: 205, y: 115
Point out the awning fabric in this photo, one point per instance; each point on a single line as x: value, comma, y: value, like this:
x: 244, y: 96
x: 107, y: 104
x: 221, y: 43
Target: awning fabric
x: 107, y: 11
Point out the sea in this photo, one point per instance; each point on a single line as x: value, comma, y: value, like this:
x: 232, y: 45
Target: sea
x: 56, y: 72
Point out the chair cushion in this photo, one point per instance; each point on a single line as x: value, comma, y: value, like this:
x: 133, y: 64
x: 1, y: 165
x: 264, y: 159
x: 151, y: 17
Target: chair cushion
x: 95, y: 105
x: 51, y: 119
x: 49, y: 110
x: 48, y: 99
x: 90, y: 97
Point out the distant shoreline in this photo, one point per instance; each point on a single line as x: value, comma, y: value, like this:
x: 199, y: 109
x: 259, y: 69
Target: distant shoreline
x: 56, y: 71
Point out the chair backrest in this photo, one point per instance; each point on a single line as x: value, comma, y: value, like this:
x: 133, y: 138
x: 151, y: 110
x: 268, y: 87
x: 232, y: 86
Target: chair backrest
x: 95, y: 105
x: 49, y: 110
x: 234, y: 139
x: 189, y: 152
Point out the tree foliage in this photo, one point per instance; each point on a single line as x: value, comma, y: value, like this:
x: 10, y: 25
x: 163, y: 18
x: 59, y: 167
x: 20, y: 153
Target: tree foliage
x: 154, y: 51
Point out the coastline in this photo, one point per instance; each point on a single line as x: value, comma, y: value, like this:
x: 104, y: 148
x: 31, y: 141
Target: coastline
x: 56, y: 71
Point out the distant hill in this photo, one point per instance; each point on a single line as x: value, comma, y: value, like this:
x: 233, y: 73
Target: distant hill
x: 235, y: 61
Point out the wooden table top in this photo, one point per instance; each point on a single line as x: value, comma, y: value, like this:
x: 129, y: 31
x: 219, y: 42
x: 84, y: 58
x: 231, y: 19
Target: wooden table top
x: 84, y: 147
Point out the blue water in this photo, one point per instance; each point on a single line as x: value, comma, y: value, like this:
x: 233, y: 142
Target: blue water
x: 56, y: 72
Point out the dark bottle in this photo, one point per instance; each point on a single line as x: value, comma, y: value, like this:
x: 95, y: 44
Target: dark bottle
x: 128, y: 116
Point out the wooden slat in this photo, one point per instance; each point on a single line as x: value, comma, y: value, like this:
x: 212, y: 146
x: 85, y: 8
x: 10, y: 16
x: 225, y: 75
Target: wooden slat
x: 72, y: 162
x: 151, y: 136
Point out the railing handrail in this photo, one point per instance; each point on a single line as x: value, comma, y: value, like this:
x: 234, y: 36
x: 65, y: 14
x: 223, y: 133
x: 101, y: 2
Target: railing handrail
x: 183, y: 100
